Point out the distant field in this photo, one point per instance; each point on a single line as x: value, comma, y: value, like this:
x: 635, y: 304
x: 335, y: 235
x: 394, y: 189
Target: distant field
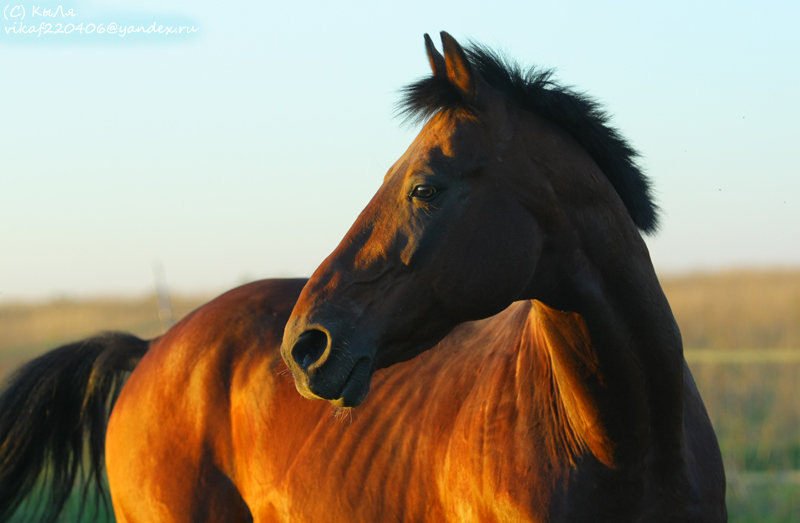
x: 737, y: 310
x: 741, y: 330
x: 27, y: 329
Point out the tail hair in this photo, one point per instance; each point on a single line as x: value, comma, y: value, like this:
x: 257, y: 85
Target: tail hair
x: 53, y: 417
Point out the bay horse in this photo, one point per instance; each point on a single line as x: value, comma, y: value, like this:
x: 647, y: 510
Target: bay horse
x: 490, y: 342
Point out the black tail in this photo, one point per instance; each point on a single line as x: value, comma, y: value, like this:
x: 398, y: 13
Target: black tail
x: 53, y: 417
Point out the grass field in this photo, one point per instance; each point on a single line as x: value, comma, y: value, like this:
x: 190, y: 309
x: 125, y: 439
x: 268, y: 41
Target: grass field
x: 741, y: 330
x: 754, y: 407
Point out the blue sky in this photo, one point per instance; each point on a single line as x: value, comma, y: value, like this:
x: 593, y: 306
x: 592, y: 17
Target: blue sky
x: 246, y: 149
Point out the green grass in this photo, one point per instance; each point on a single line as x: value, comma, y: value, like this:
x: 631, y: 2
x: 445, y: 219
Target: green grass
x: 93, y: 511
x: 752, y: 399
x: 764, y: 497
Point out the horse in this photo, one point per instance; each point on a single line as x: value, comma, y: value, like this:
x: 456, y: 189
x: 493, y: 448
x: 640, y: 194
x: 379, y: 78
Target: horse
x: 489, y: 342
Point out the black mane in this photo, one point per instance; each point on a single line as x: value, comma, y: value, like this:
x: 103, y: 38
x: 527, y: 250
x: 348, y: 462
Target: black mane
x: 536, y: 91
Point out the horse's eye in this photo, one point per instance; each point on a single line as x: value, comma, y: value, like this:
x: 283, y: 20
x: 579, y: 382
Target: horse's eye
x: 423, y: 192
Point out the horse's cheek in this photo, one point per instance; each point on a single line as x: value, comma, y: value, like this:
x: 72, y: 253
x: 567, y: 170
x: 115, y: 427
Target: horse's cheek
x: 491, y: 279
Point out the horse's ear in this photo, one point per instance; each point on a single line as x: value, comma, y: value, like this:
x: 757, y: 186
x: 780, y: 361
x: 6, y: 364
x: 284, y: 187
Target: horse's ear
x: 459, y: 70
x: 437, y: 60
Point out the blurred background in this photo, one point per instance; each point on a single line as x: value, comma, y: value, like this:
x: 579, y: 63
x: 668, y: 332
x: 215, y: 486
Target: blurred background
x: 145, y: 172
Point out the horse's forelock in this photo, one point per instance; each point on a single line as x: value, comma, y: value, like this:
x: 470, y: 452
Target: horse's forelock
x: 536, y: 91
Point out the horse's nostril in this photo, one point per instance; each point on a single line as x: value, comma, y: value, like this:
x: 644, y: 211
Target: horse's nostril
x: 309, y: 348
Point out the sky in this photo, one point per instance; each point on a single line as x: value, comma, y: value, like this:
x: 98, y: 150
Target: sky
x: 245, y: 148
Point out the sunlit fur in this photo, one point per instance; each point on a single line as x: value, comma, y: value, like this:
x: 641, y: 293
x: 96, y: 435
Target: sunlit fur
x: 503, y: 352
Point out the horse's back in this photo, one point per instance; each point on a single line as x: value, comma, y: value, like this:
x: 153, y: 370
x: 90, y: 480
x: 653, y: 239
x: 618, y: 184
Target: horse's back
x: 169, y: 435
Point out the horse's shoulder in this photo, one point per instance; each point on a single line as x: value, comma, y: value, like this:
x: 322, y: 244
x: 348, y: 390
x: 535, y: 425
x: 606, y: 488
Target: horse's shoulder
x: 200, y: 355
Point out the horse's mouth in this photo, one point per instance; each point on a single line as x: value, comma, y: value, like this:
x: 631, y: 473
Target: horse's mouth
x: 356, y: 387
x: 350, y: 392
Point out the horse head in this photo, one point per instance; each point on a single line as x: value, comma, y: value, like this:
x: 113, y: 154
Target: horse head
x: 468, y: 220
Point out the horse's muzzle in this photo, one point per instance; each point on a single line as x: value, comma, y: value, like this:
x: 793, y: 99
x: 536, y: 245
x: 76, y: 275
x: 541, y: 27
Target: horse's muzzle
x: 324, y: 371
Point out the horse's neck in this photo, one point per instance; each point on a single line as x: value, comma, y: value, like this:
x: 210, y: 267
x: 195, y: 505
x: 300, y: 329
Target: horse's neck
x: 560, y: 343
x: 617, y: 364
